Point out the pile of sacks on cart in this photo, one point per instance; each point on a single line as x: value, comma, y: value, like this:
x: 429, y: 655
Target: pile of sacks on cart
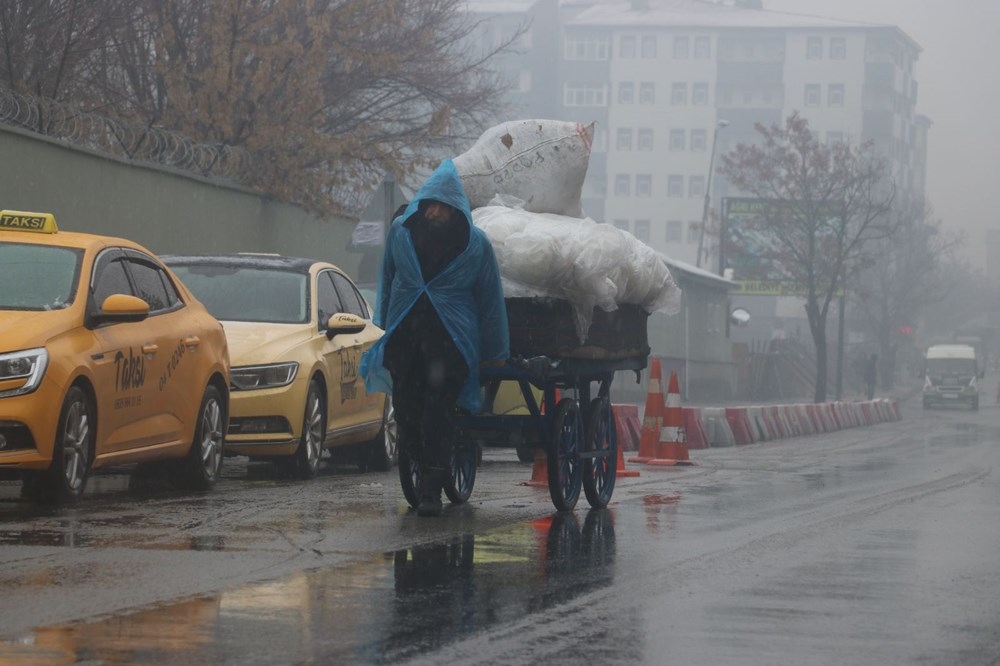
x: 524, y: 180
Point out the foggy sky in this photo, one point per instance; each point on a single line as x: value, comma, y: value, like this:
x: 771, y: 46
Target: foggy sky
x: 958, y: 73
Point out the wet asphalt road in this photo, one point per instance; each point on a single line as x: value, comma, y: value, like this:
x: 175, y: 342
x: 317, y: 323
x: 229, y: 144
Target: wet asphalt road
x: 877, y: 545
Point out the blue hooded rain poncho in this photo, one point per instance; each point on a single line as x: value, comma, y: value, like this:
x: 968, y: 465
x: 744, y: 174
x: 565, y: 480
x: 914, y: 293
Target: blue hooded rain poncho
x: 467, y: 294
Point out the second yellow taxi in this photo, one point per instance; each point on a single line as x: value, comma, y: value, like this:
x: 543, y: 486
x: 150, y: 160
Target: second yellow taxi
x: 296, y: 329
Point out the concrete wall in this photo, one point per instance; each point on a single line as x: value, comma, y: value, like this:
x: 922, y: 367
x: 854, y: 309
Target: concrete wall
x: 166, y: 210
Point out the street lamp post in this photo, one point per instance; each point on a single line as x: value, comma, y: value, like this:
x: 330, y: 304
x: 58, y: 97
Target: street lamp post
x: 708, y: 190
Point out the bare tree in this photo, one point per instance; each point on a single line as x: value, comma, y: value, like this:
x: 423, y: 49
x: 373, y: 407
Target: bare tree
x: 825, y: 205
x: 905, y: 280
x: 324, y: 95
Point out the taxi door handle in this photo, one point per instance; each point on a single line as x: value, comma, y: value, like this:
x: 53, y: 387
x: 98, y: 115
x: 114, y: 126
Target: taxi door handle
x: 149, y: 349
x: 192, y: 342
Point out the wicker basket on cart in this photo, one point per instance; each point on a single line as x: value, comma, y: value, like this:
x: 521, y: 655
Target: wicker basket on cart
x: 547, y: 327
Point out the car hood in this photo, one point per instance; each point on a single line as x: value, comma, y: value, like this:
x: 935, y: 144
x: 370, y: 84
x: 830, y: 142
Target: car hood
x: 253, y: 343
x: 22, y: 329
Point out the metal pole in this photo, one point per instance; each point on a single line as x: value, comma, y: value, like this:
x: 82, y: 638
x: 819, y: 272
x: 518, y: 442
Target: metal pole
x: 840, y: 345
x: 687, y: 347
x: 708, y: 190
x: 723, y: 223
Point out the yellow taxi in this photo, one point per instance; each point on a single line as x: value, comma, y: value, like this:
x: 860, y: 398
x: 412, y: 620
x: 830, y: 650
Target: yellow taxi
x: 297, y: 329
x: 105, y: 359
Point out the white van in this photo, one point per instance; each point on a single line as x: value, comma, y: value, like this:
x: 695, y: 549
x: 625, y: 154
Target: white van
x: 951, y: 376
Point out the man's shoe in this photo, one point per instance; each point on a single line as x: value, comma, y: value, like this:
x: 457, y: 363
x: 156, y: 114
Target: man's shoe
x: 429, y: 506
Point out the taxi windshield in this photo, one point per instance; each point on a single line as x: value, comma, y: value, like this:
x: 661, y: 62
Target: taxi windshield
x: 38, y: 277
x: 233, y: 293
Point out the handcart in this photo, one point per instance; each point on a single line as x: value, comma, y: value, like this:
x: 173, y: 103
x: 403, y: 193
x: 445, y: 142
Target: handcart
x: 573, y: 425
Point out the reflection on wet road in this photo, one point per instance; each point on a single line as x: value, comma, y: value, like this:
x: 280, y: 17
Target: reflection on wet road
x: 399, y: 605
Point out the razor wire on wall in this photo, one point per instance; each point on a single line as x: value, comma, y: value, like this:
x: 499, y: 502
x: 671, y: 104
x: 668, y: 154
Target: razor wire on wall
x: 129, y: 141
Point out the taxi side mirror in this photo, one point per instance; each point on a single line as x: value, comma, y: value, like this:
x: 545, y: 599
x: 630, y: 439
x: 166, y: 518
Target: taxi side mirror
x: 123, y: 308
x: 344, y: 323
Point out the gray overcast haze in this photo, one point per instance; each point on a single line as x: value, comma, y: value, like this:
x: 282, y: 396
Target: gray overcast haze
x: 957, y: 75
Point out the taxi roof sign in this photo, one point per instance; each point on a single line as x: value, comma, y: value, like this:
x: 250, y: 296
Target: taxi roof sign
x: 15, y: 220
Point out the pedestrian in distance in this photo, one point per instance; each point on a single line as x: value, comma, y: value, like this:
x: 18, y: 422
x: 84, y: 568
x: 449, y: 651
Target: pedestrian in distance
x: 871, y: 374
x: 440, y: 302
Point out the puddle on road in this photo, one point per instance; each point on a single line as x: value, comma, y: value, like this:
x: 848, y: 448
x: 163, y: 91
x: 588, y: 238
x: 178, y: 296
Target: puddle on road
x: 394, y: 606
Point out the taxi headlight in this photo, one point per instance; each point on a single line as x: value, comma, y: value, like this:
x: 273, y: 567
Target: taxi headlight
x: 28, y: 366
x: 250, y: 377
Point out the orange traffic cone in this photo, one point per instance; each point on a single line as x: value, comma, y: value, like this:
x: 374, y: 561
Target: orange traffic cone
x: 540, y: 467
x: 652, y: 418
x: 539, y: 470
x: 672, y: 446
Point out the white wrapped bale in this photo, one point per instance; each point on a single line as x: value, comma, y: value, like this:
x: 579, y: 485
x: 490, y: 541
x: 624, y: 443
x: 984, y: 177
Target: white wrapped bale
x: 542, y: 163
x: 578, y: 260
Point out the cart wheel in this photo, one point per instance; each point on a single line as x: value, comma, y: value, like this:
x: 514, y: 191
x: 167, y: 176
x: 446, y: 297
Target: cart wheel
x: 463, y: 472
x: 599, y: 472
x: 409, y: 476
x: 565, y: 470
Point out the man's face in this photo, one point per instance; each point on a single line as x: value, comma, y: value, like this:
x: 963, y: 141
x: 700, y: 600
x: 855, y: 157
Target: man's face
x: 437, y: 213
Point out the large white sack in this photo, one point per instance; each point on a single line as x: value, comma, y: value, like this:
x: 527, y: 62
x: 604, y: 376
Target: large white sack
x: 541, y: 162
x: 578, y: 260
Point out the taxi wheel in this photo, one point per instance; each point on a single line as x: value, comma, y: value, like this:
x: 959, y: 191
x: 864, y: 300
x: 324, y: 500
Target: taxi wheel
x: 204, y: 459
x: 380, y: 454
x: 66, y: 479
x: 313, y: 433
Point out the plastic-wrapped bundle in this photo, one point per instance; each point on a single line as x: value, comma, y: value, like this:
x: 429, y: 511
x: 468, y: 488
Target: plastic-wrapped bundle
x: 586, y: 263
x: 541, y: 162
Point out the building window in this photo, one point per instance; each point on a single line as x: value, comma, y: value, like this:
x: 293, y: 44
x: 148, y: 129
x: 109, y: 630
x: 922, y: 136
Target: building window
x: 622, y: 224
x: 585, y: 49
x: 702, y: 48
x: 624, y: 138
x: 626, y: 49
x: 645, y: 141
x: 812, y: 94
x: 834, y: 137
x: 678, y: 94
x: 681, y: 47
x: 677, y: 139
x: 647, y: 93
x: 626, y: 92
x: 838, y: 48
x: 835, y: 94
x: 675, y: 186
x: 694, y: 232
x: 696, y: 186
x: 585, y: 96
x: 648, y: 46
x: 699, y: 93
x: 623, y: 185
x: 642, y: 230
x: 698, y: 140
x: 643, y: 185
x: 814, y: 48
x: 675, y: 231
